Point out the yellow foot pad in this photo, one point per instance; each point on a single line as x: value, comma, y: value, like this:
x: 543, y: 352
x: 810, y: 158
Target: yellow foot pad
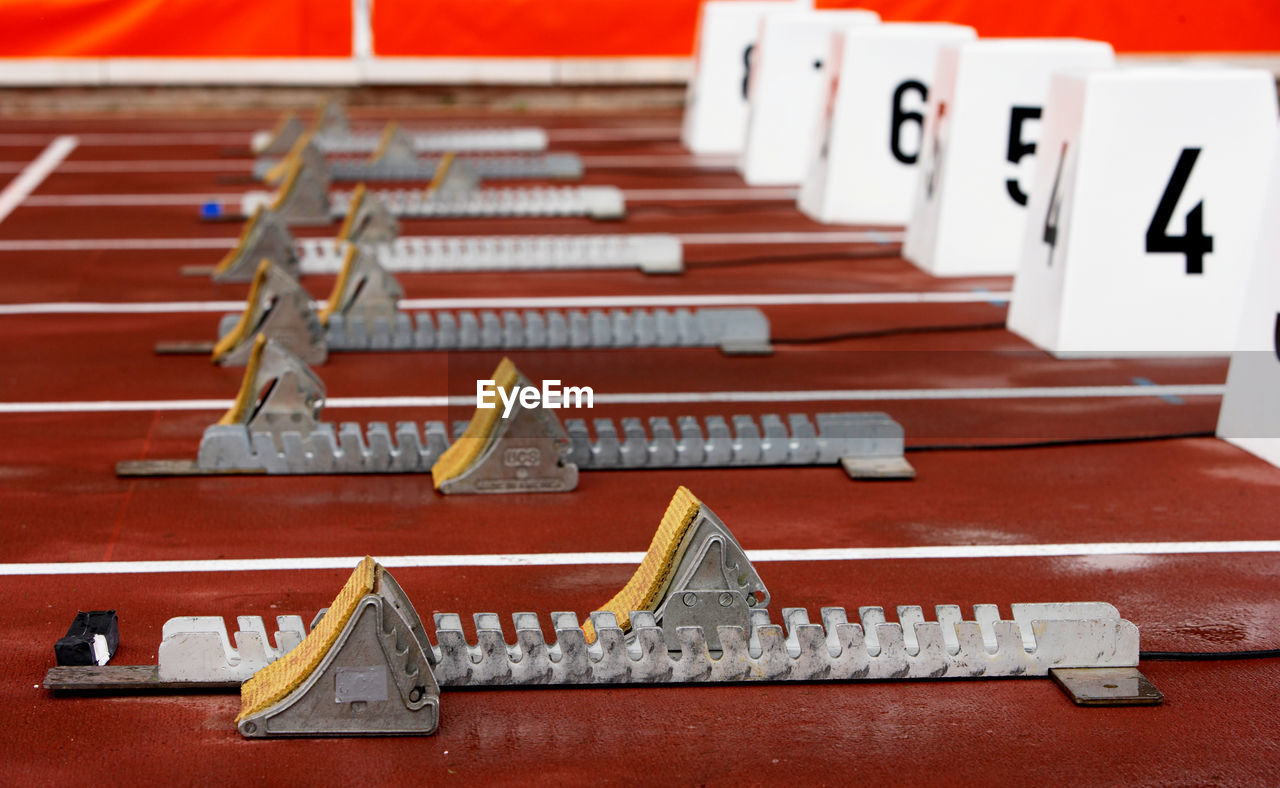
x: 694, y: 574
x: 364, y: 670
x: 524, y: 451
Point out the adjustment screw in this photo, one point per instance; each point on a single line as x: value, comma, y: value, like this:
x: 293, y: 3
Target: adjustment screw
x: 690, y: 599
x: 726, y: 599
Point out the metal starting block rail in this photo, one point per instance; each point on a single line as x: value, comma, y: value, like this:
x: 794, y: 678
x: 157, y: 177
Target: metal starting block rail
x: 694, y: 612
x: 368, y: 224
x: 304, y: 195
x: 280, y: 432
x: 654, y: 253
x: 488, y: 167
x: 333, y: 134
x: 362, y: 313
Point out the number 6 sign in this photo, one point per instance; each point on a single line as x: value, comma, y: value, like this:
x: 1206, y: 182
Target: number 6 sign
x: 1250, y: 416
x: 1143, y: 214
x: 862, y: 170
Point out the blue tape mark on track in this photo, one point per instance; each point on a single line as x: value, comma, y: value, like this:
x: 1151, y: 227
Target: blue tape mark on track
x: 993, y: 300
x: 1169, y: 398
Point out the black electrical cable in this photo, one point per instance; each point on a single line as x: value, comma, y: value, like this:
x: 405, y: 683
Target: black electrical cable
x: 1055, y: 443
x: 954, y: 328
x: 1208, y: 656
x: 885, y: 252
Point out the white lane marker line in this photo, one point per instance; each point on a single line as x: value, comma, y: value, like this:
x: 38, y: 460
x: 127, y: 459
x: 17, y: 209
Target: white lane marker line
x: 132, y: 244
x: 34, y: 174
x: 637, y: 161
x: 786, y: 193
x: 241, y: 138
x: 147, y: 165
x: 547, y: 302
x: 815, y: 237
x: 665, y: 398
x: 629, y: 558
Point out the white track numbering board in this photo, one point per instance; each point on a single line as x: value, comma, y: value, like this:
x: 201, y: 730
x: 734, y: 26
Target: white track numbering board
x: 1144, y: 216
x: 715, y: 113
x: 862, y: 164
x: 1250, y: 416
x: 981, y: 132
x: 785, y: 91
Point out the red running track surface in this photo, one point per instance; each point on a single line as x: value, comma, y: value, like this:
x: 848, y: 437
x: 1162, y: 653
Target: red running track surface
x: 60, y: 502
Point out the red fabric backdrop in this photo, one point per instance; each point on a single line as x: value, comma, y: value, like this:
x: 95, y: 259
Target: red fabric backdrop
x: 586, y: 28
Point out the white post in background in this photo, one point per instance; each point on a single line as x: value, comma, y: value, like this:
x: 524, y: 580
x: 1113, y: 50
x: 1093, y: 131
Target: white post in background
x: 785, y: 92
x: 362, y: 29
x: 715, y: 111
x: 1144, y: 213
x: 862, y: 163
x: 1250, y: 416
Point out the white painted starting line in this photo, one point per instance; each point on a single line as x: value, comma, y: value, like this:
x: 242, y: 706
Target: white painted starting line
x: 689, y: 239
x: 19, y: 189
x: 780, y: 193
x: 665, y: 398
x: 599, y: 559
x: 638, y: 161
x: 545, y: 302
x: 242, y: 137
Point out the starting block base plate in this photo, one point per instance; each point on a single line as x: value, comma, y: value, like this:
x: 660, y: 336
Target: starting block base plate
x: 1107, y: 686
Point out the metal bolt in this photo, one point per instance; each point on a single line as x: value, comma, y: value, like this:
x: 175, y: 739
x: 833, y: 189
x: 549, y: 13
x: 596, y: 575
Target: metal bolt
x: 690, y: 599
x: 726, y: 599
x: 415, y: 694
x: 250, y: 727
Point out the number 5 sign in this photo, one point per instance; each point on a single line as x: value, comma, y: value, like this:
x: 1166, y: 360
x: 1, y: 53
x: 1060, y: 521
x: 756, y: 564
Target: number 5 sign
x: 1143, y: 216
x: 1250, y: 416
x: 980, y: 150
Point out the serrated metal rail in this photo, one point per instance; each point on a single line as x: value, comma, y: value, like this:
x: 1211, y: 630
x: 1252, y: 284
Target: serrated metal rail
x: 1037, y: 638
x: 486, y: 167
x: 731, y: 329
x: 651, y: 253
x: 713, y: 442
x: 597, y: 202
x: 514, y: 139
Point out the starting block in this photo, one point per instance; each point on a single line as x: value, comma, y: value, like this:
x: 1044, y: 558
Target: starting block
x: 980, y: 134
x: 694, y: 612
x: 396, y: 160
x: 1250, y: 415
x: 333, y: 134
x: 862, y: 165
x: 304, y: 197
x: 785, y: 91
x: 362, y: 315
x: 365, y: 669
x: 277, y: 307
x: 369, y: 223
x: 527, y: 451
x: 1143, y: 218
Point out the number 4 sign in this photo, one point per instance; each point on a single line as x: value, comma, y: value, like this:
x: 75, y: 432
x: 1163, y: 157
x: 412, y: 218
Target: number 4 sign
x: 1143, y: 215
x: 1250, y: 416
